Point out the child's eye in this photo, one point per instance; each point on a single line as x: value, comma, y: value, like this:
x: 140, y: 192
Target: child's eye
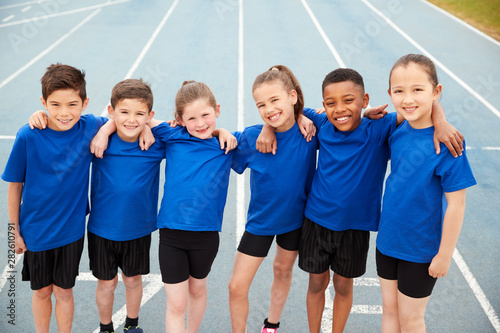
x: 205, y: 114
x: 349, y: 100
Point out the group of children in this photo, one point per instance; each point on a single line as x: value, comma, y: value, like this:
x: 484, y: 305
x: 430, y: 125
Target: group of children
x: 321, y: 211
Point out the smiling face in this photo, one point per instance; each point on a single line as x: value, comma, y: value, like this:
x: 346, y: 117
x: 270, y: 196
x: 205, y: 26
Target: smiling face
x: 130, y: 116
x: 199, y: 118
x: 412, y: 94
x: 65, y: 108
x: 276, y: 105
x: 343, y: 103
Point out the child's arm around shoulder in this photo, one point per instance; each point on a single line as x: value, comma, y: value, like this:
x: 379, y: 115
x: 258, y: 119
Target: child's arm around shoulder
x: 226, y: 139
x: 444, y: 132
x: 100, y: 141
x: 14, y: 195
x: 452, y: 224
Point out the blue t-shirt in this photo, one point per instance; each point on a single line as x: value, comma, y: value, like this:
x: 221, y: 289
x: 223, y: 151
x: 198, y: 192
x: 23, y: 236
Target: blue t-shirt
x: 124, y: 190
x: 347, y: 187
x: 54, y: 167
x: 413, y: 211
x: 196, y: 181
x: 279, y: 183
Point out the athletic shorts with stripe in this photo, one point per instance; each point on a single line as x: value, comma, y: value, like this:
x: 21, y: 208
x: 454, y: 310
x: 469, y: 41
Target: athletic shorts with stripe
x: 57, y: 266
x: 105, y: 256
x: 345, y: 252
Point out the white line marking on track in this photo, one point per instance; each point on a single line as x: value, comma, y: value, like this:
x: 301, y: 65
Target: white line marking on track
x: 465, y: 24
x: 8, y: 18
x: 476, y: 289
x: 47, y: 50
x: 8, y: 270
x: 240, y: 179
x: 25, y: 9
x: 69, y: 12
x: 7, y: 137
x: 146, y: 48
x: 437, y: 62
x: 19, y: 4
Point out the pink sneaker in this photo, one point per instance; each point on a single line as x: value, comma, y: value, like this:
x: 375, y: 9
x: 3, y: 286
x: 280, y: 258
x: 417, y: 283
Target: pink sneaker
x: 269, y: 330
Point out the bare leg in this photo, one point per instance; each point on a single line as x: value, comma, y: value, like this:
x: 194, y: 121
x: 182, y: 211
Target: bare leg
x: 104, y: 298
x: 342, y: 302
x: 133, y: 294
x: 283, y: 268
x: 177, y: 303
x: 197, y: 303
x: 244, y: 270
x: 42, y: 308
x: 316, y: 299
x: 390, y: 316
x: 65, y: 308
x: 411, y: 313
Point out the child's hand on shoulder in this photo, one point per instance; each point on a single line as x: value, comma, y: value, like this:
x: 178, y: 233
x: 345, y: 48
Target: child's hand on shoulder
x: 227, y: 140
x: 266, y: 142
x: 376, y: 112
x: 306, y: 127
x: 439, y: 266
x: 450, y: 136
x: 146, y: 138
x: 38, y: 119
x: 173, y: 123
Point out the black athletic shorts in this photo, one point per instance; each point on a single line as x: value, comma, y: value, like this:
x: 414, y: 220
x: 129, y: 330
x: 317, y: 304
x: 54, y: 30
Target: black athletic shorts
x: 413, y: 278
x: 57, y: 266
x: 186, y: 253
x: 344, y: 251
x: 105, y: 256
x: 258, y: 246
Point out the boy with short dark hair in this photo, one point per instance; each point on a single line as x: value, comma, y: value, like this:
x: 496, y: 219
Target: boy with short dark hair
x: 345, y: 199
x: 48, y: 173
x: 124, y: 197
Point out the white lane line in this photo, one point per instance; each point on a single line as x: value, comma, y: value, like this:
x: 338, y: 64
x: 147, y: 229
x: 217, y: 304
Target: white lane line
x: 8, y: 18
x: 21, y: 4
x: 69, y: 12
x: 47, y: 50
x: 476, y: 289
x: 437, y: 62
x: 7, y: 137
x: 240, y: 179
x: 8, y: 270
x: 323, y: 34
x: 146, y: 48
x: 25, y: 9
x: 465, y: 24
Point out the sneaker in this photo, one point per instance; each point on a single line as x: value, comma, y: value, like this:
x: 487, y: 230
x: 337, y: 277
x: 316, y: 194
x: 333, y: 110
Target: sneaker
x: 132, y: 329
x: 269, y: 330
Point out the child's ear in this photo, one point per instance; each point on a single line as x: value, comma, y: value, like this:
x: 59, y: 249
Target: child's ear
x: 437, y: 92
x: 179, y: 120
x: 217, y: 110
x: 366, y: 100
x: 389, y: 92
x: 150, y: 115
x: 111, y: 112
x: 85, y: 103
x: 44, y: 103
x: 293, y: 93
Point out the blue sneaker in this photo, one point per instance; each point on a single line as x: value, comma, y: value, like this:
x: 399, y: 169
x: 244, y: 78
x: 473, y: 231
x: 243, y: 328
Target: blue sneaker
x: 132, y: 329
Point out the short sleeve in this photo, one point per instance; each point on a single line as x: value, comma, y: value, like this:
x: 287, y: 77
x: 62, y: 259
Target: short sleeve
x: 15, y: 170
x: 455, y: 172
x: 163, y: 131
x: 242, y: 152
x: 317, y: 119
x: 383, y: 128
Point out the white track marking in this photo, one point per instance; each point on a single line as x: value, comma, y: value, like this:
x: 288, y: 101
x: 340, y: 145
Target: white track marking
x: 8, y: 270
x: 240, y: 179
x: 47, y: 50
x: 437, y: 62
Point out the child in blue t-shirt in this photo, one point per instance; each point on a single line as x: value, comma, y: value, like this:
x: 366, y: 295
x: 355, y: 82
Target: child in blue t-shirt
x: 280, y: 184
x: 417, y: 232
x: 124, y: 203
x: 48, y: 172
x: 190, y: 218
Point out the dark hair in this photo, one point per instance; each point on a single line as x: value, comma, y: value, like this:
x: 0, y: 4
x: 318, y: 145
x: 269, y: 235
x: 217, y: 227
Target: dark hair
x: 134, y: 89
x: 284, y: 75
x: 190, y: 92
x: 421, y: 60
x: 343, y: 75
x: 59, y: 76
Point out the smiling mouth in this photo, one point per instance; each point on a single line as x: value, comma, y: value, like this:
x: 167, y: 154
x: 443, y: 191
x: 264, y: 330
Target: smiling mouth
x: 64, y: 121
x: 343, y: 119
x: 274, y: 117
x: 130, y: 127
x: 410, y: 110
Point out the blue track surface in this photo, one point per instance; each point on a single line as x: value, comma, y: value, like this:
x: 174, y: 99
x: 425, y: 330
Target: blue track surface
x: 167, y: 42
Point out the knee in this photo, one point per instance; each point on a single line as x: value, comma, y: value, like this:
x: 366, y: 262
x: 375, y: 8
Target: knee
x: 237, y: 289
x: 107, y: 286
x: 43, y: 293
x: 409, y: 321
x: 198, y: 291
x: 63, y: 294
x: 318, y: 284
x: 390, y: 309
x: 132, y: 282
x: 282, y: 272
x: 343, y: 286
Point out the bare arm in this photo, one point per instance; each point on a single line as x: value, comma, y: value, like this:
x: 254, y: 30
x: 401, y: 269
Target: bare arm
x: 100, y: 141
x: 444, y: 132
x: 452, y: 224
x: 266, y: 142
x: 14, y: 194
x: 226, y: 139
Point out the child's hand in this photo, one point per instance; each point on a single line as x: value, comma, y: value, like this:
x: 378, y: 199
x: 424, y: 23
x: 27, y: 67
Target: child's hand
x: 445, y: 132
x: 173, y: 123
x: 227, y: 140
x: 38, y: 119
x: 320, y: 110
x: 146, y: 138
x: 439, y: 266
x: 376, y: 112
x: 266, y: 142
x: 19, y: 244
x: 306, y: 127
x: 99, y: 144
